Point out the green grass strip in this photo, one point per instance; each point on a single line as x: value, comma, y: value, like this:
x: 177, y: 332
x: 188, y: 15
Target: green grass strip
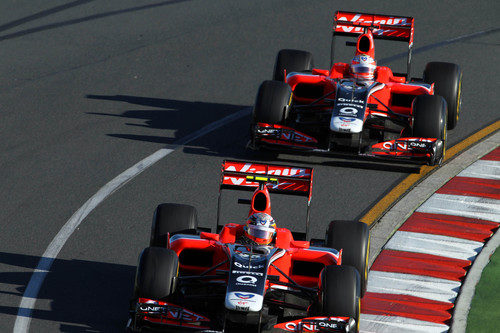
x: 484, y: 314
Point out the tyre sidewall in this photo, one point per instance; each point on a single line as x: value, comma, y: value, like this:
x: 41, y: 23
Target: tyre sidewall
x: 340, y: 291
x: 429, y: 117
x: 447, y: 79
x: 155, y: 273
x: 292, y: 61
x: 271, y: 103
x: 171, y: 218
x: 353, y: 238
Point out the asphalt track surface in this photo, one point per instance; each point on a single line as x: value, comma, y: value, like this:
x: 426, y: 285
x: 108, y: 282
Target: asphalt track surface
x: 88, y: 88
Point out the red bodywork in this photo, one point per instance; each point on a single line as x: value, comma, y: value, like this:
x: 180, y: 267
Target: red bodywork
x: 199, y: 254
x: 282, y: 179
x: 394, y: 87
x: 391, y: 100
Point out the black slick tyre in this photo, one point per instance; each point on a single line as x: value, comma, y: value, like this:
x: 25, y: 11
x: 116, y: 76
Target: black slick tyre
x: 340, y: 292
x: 172, y: 218
x: 273, y: 99
x: 353, y: 238
x: 429, y: 121
x: 292, y: 61
x: 155, y: 274
x: 447, y: 79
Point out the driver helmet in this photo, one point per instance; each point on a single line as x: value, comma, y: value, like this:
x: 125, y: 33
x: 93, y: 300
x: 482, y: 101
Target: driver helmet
x: 363, y: 67
x: 260, y: 228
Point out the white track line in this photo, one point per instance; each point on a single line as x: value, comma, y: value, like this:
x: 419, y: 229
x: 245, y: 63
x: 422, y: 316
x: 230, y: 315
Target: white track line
x: 30, y: 295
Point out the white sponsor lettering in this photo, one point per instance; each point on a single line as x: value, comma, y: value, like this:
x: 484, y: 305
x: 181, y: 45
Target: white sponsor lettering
x: 418, y: 144
x: 235, y: 181
x: 342, y: 99
x: 267, y: 130
x: 175, y: 314
x: 249, y: 273
x: 358, y: 18
x: 304, y: 327
x: 237, y: 264
x: 354, y: 19
x: 276, y: 172
x: 247, y: 279
x: 243, y: 169
x: 348, y: 111
x: 309, y: 327
x: 149, y: 308
x: 246, y: 255
x: 392, y: 145
x: 280, y: 185
x: 289, y: 172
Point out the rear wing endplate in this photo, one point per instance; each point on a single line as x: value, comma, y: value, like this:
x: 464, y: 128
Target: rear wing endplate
x: 281, y: 179
x: 390, y: 27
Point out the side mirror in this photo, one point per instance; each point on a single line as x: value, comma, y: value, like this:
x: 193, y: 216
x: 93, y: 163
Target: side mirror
x: 209, y: 236
x: 324, y: 72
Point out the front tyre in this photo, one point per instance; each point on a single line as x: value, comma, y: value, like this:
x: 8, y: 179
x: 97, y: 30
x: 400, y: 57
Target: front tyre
x: 429, y: 121
x: 292, y: 61
x: 272, y: 102
x: 340, y: 292
x: 353, y: 238
x: 155, y: 273
x: 172, y: 218
x: 447, y: 79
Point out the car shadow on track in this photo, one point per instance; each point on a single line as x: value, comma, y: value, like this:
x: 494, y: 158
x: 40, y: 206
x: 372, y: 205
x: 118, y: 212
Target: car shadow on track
x: 84, y: 296
x: 181, y: 117
x: 229, y: 141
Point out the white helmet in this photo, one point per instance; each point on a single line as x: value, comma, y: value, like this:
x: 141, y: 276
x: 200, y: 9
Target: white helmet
x: 363, y: 67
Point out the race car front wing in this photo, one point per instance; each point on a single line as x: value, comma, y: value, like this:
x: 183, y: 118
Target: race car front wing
x: 318, y: 324
x: 427, y: 150
x: 161, y: 314
x: 155, y: 313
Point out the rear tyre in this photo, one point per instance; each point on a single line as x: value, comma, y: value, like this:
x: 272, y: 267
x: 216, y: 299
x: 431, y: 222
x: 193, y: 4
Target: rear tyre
x: 354, y: 239
x: 429, y: 121
x: 340, y: 292
x: 155, y: 274
x: 172, y: 218
x: 447, y: 79
x: 271, y: 105
x: 292, y: 61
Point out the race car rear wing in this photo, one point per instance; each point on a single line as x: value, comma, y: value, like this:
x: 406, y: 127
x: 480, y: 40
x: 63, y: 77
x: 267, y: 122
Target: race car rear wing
x: 290, y: 179
x: 390, y: 27
x: 281, y: 179
x: 384, y: 26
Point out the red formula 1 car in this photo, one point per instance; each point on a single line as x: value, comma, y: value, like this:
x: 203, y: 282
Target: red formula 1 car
x: 194, y: 280
x: 358, y: 107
